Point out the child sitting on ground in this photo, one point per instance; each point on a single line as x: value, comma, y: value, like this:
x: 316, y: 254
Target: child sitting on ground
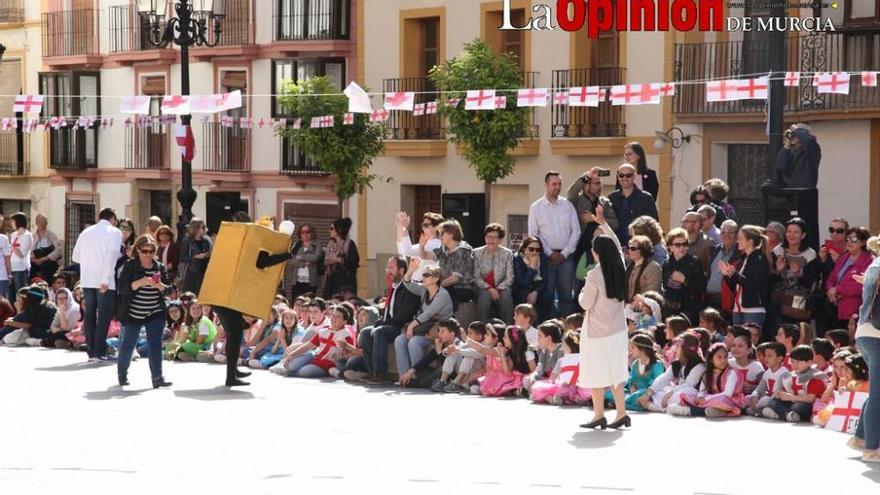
x: 644, y: 369
x: 823, y: 351
x: 855, y: 379
x: 711, y: 320
x: 771, y: 380
x: 524, y: 316
x: 463, y: 362
x: 721, y: 390
x: 506, y: 363
x: 549, y: 352
x: 644, y: 312
x: 200, y: 333
x: 683, y: 376
x: 742, y: 359
x: 422, y: 374
x: 561, y: 388
x: 675, y: 326
x: 286, y: 332
x: 788, y: 335
x: 800, y: 391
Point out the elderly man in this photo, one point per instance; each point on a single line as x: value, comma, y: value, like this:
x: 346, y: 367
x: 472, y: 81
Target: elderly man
x: 698, y: 244
x: 726, y: 251
x: 707, y: 219
x: 630, y: 202
x: 552, y: 219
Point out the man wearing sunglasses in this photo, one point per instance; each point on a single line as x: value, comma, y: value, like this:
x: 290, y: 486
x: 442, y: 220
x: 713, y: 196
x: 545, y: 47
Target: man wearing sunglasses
x: 630, y: 202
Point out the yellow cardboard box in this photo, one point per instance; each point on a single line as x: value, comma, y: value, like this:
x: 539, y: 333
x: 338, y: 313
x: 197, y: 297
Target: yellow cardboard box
x: 233, y: 279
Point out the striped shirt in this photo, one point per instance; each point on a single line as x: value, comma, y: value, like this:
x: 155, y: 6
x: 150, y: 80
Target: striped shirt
x: 146, y: 301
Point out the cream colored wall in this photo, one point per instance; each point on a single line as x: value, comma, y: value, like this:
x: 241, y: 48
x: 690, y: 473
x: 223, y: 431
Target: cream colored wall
x: 843, y: 172
x: 687, y: 172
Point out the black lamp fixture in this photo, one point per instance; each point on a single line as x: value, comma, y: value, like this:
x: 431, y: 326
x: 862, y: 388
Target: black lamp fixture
x: 674, y: 137
x: 188, y: 28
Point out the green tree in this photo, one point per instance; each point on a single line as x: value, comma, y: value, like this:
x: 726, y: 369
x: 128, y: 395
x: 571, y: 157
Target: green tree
x: 486, y: 136
x: 346, y: 151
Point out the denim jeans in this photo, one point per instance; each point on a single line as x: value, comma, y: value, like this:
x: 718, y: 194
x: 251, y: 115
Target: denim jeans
x: 561, y: 279
x: 869, y: 421
x: 298, y: 363
x: 130, y: 334
x: 504, y: 304
x: 96, y: 320
x: 311, y: 371
x: 741, y: 318
x: 4, y: 290
x: 19, y: 280
x: 409, y: 351
x: 782, y: 407
x: 374, y: 341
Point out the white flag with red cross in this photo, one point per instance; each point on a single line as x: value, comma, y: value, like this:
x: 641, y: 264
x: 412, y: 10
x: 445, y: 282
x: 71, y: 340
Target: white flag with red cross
x: 869, y: 79
x: 665, y: 88
x: 480, y: 99
x: 7, y: 123
x: 847, y: 408
x: 560, y: 98
x: 453, y: 102
x: 835, y: 82
x: 400, y: 101
x: 348, y: 118
x: 327, y: 121
x: 724, y: 90
x: 245, y: 123
x: 792, y: 79
x: 816, y: 77
x: 226, y: 121
x: 586, y: 96
x: 28, y: 104
x: 419, y: 109
x: 139, y: 105
x: 297, y: 124
x: 175, y: 105
x: 30, y: 125
x: 106, y: 122
x: 754, y: 89
x: 315, y: 123
x: 532, y: 97
x: 431, y: 107
x: 186, y: 143
x: 380, y: 115
x: 635, y: 94
x: 500, y: 102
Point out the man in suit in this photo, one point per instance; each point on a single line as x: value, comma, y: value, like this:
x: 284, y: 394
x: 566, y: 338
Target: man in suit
x: 401, y: 307
x: 630, y: 202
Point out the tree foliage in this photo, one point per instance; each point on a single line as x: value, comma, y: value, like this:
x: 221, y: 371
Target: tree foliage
x: 486, y: 136
x: 346, y: 151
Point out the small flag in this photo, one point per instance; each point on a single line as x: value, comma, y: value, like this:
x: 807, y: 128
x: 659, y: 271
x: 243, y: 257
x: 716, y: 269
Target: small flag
x: 245, y: 123
x: 106, y: 122
x: 327, y: 121
x: 185, y: 142
x: 316, y: 123
x: 869, y: 79
x: 226, y: 121
x: 725, y: 90
x: 261, y: 123
x: 399, y: 101
x: 297, y: 123
x: 419, y: 109
x: 792, y: 79
x: 30, y: 125
x: 532, y: 97
x: 127, y: 122
x: 358, y: 99
x: 453, y: 102
x: 139, y: 105
x: 431, y: 107
x: 635, y: 94
x: 348, y: 119
x: 500, y: 102
x: 480, y: 99
x: 560, y: 98
x: 754, y: 89
x: 665, y: 89
x: 380, y: 115
x: 835, y: 82
x: 588, y: 96
x: 27, y: 104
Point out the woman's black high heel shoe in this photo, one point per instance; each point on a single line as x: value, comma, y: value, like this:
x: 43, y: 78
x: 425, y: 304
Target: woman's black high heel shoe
x: 601, y: 423
x: 624, y: 421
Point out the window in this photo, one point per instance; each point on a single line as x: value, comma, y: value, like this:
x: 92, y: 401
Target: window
x: 861, y: 13
x: 302, y: 69
x: 311, y: 19
x: 517, y: 230
x: 80, y: 213
x: 430, y: 49
x: 69, y: 147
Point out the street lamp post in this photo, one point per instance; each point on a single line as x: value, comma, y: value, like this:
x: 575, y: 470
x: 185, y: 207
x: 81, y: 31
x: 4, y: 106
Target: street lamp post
x: 189, y: 28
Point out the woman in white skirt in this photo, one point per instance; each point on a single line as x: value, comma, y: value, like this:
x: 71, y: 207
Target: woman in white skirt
x: 604, y: 339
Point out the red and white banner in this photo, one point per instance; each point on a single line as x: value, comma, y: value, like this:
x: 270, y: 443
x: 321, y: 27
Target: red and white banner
x: 226, y: 121
x: 635, y: 94
x: 665, y: 89
x: 106, y: 122
x: 327, y: 121
x: 419, y: 109
x: 726, y: 90
x: 835, y: 82
x: 7, y: 123
x: 754, y: 89
x: 139, y: 105
x: 30, y: 125
x: 175, y: 105
x: 315, y: 123
x: 847, y: 408
x: 431, y: 108
x: 560, y: 98
x: 869, y: 79
x: 28, y: 104
x: 588, y: 96
x: 792, y: 79
x: 500, y: 102
x: 186, y: 143
x: 481, y: 99
x: 380, y: 115
x: 534, y: 97
x: 245, y: 123
x: 400, y: 101
x: 453, y: 102
x: 816, y: 77
x: 348, y: 119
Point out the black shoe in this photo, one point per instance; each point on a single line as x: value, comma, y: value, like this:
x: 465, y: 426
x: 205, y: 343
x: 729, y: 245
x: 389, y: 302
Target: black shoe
x: 601, y: 423
x: 161, y: 383
x: 123, y: 380
x: 624, y: 421
x: 235, y: 382
x: 242, y: 374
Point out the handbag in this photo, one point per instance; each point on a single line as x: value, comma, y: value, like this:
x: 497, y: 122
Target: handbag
x: 793, y: 303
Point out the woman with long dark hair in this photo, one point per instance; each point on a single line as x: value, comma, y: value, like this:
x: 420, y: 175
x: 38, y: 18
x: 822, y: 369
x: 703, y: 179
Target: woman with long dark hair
x: 341, y: 259
x: 749, y: 282
x: 194, y: 253
x: 645, y: 178
x: 604, y: 342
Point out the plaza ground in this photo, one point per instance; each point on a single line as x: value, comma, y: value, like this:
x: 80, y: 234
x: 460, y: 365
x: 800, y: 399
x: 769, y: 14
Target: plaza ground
x: 69, y: 429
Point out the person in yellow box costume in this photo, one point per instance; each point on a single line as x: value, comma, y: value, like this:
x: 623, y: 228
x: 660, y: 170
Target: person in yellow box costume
x: 232, y: 319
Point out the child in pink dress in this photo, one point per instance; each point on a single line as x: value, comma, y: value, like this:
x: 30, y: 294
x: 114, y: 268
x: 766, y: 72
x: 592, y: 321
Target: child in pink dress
x: 721, y: 391
x: 562, y: 387
x: 506, y: 363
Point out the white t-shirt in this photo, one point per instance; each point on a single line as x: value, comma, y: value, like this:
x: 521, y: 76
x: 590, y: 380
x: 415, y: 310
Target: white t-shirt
x: 5, y: 250
x: 26, y: 245
x: 532, y: 337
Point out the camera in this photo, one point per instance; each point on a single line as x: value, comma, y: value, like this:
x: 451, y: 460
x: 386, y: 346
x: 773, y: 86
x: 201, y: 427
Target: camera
x: 788, y: 134
x: 604, y: 172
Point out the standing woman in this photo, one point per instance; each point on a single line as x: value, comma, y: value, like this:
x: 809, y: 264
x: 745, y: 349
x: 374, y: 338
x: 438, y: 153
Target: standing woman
x: 867, y: 437
x: 642, y: 273
x: 645, y: 178
x: 46, y: 256
x: 341, y: 259
x: 301, y: 272
x: 749, y: 283
x: 604, y: 341
x: 167, y: 251
x: 194, y: 253
x: 844, y: 293
x: 141, y: 286
x: 797, y: 268
x: 684, y: 280
x: 22, y: 243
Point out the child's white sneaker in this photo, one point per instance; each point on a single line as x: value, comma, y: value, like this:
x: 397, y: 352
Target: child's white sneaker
x: 793, y: 417
x: 32, y: 342
x: 556, y: 400
x: 677, y: 410
x: 220, y: 358
x: 334, y: 372
x: 475, y: 389
x: 769, y: 413
x: 255, y: 364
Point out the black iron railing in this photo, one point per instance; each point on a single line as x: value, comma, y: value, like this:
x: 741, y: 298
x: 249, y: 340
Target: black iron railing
x: 146, y: 147
x: 11, y: 10
x: 73, y: 149
x: 311, y: 19
x: 530, y: 81
x: 225, y: 149
x: 605, y: 120
x: 236, y: 24
x: 10, y: 165
x: 129, y: 32
x: 818, y: 52
x: 70, y: 32
x: 406, y: 125
x: 295, y: 162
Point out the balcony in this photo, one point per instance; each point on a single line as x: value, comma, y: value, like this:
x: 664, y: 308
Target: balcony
x: 225, y: 149
x: 530, y: 81
x: 11, y: 11
x: 70, y: 38
x: 146, y: 147
x: 73, y: 149
x: 130, y: 38
x: 605, y: 120
x: 295, y: 162
x: 406, y: 126
x: 300, y: 20
x: 819, y: 52
x: 10, y: 163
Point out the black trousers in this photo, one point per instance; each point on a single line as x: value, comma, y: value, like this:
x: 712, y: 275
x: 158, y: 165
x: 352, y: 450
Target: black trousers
x: 234, y: 325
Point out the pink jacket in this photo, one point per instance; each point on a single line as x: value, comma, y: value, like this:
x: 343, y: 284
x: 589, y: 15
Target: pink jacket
x: 848, y: 290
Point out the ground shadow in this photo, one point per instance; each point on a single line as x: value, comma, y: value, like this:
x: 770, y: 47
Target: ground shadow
x: 114, y: 392
x: 119, y: 471
x: 595, y: 439
x: 217, y: 393
x: 79, y: 366
x: 873, y: 474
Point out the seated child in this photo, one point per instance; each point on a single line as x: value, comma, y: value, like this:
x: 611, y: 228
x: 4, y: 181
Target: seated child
x: 675, y: 326
x: 524, y: 316
x: 326, y: 344
x: 742, y: 359
x: 286, y: 332
x: 721, y: 390
x: 854, y: 379
x: 463, y: 362
x: 772, y: 379
x: 823, y: 351
x: 561, y: 388
x: 549, y: 352
x: 711, y: 320
x: 200, y: 333
x: 427, y: 373
x: 644, y: 369
x: 794, y: 403
x: 266, y: 340
x: 682, y: 377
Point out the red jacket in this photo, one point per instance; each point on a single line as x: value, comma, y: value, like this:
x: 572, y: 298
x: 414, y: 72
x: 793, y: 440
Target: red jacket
x: 849, y: 292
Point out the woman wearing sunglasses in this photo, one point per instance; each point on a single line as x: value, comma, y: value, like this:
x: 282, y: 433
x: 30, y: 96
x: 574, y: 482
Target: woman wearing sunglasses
x: 841, y: 289
x: 530, y: 277
x: 301, y: 274
x: 684, y: 281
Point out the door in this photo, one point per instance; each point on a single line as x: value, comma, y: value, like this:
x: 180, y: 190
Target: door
x: 160, y: 205
x: 746, y: 170
x: 470, y: 211
x: 220, y: 206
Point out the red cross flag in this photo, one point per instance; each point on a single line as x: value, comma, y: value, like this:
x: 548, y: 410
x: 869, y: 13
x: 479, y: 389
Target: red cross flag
x: 480, y: 99
x: 665, y: 89
x: 327, y: 121
x: 245, y: 123
x: 431, y: 108
x: 453, y: 102
x: 226, y: 121
x: 128, y: 122
x: 754, y: 89
x: 835, y: 82
x: 315, y: 123
x: 348, y: 119
x: 30, y: 125
x: 816, y: 77
x: 635, y: 94
x: 792, y: 79
x: 847, y: 408
x: 726, y: 90
x: 400, y: 101
x: 380, y: 115
x: 560, y: 98
x: 175, y: 105
x: 186, y: 143
x: 106, y: 122
x: 869, y: 78
x: 139, y: 105
x: 532, y: 97
x: 419, y: 109
x: 7, y: 123
x: 28, y: 104
x: 297, y: 124
x: 589, y: 96
x: 500, y: 102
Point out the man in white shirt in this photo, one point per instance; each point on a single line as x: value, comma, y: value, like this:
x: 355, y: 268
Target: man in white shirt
x: 553, y: 220
x: 22, y: 243
x: 5, y: 268
x: 97, y: 249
